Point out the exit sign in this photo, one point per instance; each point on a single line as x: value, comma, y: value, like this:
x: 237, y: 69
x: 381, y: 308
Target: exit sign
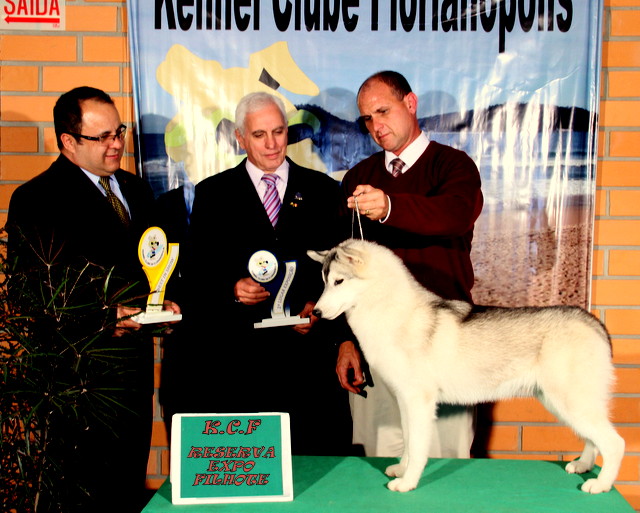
x: 32, y: 14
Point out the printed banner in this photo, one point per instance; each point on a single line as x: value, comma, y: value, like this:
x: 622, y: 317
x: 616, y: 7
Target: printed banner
x: 514, y: 83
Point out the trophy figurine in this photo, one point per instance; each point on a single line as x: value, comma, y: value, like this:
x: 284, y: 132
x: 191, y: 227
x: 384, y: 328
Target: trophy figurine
x: 265, y: 269
x: 158, y: 261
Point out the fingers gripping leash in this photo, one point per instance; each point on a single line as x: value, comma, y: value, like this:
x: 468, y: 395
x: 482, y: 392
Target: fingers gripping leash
x: 354, y: 214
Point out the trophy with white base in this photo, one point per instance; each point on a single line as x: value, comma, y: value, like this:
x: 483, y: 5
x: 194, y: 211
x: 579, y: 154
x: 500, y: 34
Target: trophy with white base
x: 158, y: 261
x: 265, y: 269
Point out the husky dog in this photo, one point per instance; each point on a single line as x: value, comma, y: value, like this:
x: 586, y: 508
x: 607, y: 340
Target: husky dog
x: 429, y: 350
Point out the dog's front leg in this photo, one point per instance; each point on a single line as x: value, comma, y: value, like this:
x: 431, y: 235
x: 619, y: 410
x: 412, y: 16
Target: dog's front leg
x: 417, y: 414
x: 398, y: 469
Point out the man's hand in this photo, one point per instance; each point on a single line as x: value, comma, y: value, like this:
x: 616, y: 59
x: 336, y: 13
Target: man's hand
x: 303, y: 329
x: 124, y: 322
x: 171, y: 306
x: 372, y: 202
x: 349, y: 358
x: 250, y: 292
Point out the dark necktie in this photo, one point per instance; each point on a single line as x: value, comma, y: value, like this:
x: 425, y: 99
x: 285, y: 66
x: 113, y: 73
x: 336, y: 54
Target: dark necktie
x: 271, y: 200
x: 115, y: 201
x: 396, y: 167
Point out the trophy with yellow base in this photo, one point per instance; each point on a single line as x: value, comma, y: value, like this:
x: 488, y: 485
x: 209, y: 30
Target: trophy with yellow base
x: 158, y: 261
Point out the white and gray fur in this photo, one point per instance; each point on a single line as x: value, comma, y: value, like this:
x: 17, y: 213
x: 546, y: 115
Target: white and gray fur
x: 429, y: 350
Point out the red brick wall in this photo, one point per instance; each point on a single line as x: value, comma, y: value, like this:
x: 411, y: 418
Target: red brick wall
x: 38, y: 67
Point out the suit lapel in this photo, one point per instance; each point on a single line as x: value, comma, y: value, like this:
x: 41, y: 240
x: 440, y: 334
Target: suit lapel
x: 128, y: 193
x: 82, y: 191
x: 293, y: 192
x: 255, y: 208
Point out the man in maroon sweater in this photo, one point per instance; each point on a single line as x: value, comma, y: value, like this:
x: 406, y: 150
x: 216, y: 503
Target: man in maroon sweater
x: 423, y: 207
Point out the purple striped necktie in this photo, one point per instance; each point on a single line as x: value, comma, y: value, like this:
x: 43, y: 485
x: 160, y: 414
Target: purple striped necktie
x: 396, y: 167
x: 271, y: 200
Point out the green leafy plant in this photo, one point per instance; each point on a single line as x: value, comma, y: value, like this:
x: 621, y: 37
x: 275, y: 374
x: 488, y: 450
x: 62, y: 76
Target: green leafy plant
x: 58, y: 359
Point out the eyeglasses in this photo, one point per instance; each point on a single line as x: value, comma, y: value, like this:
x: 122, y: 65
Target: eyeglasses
x: 106, y: 139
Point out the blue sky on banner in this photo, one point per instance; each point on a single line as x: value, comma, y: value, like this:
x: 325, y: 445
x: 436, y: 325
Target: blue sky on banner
x: 555, y: 63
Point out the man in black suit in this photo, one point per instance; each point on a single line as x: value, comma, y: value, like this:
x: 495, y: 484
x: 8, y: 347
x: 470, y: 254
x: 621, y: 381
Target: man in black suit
x: 61, y: 221
x: 224, y: 364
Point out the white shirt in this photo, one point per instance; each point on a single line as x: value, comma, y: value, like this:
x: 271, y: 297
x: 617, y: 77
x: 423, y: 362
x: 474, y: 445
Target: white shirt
x: 256, y: 177
x: 410, y: 154
x: 113, y: 183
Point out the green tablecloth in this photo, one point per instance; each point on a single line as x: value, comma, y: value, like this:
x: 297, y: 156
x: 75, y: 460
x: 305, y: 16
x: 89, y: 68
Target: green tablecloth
x: 357, y: 485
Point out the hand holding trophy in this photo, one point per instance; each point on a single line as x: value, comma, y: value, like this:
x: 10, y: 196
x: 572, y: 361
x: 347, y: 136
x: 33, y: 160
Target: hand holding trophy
x: 158, y: 261
x: 266, y: 270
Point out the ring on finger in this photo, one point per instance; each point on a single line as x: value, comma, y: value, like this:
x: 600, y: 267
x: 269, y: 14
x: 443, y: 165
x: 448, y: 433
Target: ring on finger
x: 366, y: 212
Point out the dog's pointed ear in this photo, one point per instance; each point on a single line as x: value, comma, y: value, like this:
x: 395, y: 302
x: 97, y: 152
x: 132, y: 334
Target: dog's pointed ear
x: 350, y: 253
x: 318, y: 256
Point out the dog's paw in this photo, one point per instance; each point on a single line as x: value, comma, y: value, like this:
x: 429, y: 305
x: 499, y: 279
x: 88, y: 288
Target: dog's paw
x: 401, y: 485
x: 577, y: 467
x: 594, y: 486
x: 396, y: 470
